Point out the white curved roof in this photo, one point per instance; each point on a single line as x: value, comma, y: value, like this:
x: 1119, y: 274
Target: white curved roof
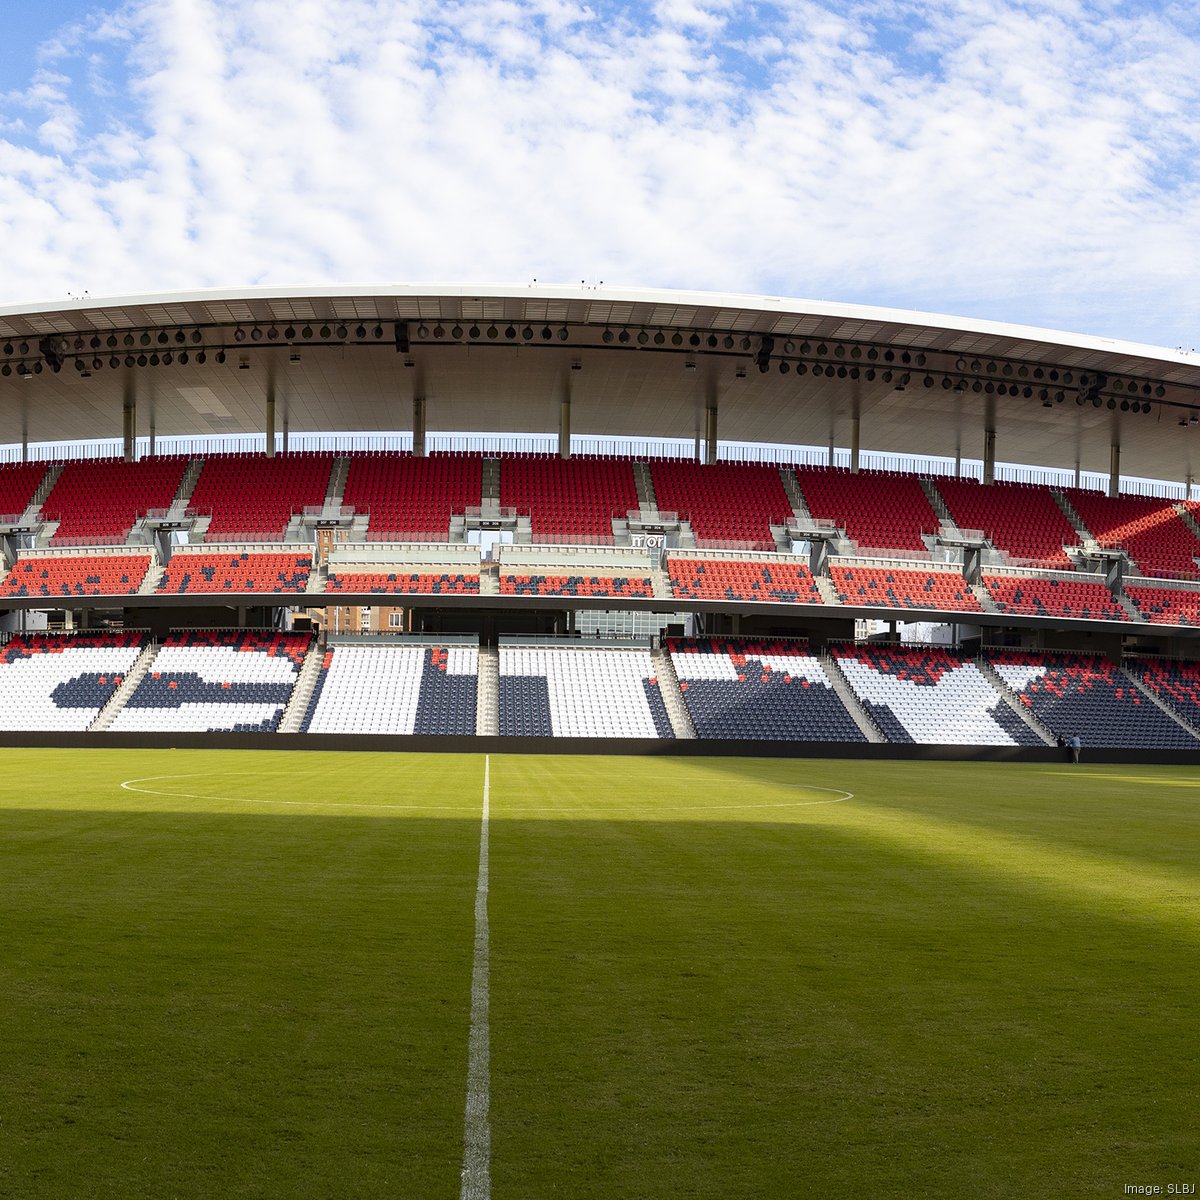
x: 510, y: 377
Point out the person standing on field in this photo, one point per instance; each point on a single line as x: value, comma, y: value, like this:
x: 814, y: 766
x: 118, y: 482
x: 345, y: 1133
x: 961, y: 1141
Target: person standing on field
x: 1076, y: 745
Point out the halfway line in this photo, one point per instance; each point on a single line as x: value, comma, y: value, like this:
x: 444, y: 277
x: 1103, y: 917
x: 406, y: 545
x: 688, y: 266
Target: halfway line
x: 477, y: 1132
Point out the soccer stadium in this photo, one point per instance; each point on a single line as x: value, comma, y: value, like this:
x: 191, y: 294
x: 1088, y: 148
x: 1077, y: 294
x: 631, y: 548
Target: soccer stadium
x: 594, y: 742
x: 599, y: 600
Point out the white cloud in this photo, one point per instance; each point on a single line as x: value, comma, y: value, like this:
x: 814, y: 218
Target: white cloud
x: 1031, y: 161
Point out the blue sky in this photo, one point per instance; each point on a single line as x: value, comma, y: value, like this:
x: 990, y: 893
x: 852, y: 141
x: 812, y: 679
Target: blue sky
x: 1031, y: 162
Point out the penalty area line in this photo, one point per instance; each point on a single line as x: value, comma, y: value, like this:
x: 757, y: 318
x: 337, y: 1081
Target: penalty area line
x: 477, y: 1131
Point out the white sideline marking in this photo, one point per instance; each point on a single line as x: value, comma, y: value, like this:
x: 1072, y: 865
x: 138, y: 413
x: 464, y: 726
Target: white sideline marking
x: 128, y: 785
x: 477, y: 1131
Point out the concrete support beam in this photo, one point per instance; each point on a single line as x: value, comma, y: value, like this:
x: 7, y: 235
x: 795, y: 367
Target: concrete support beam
x: 418, y: 424
x: 270, y: 421
x: 710, y: 432
x: 129, y: 421
x: 1114, y: 469
x: 989, y: 456
x: 855, y: 428
x: 564, y: 426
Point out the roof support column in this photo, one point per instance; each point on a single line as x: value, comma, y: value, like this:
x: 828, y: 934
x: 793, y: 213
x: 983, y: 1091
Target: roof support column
x: 129, y: 420
x: 855, y: 423
x: 989, y: 456
x: 564, y: 425
x: 710, y: 431
x: 418, y: 424
x: 1114, y: 469
x: 1187, y: 486
x: 24, y: 433
x: 270, y: 422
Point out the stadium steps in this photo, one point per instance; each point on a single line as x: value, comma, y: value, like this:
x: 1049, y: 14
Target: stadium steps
x: 660, y: 583
x: 795, y: 496
x: 116, y: 702
x: 45, y: 534
x: 1128, y: 605
x: 318, y: 578
x: 984, y: 597
x: 1161, y: 704
x: 938, y: 504
x: 845, y: 693
x: 487, y: 694
x: 306, y: 681
x: 187, y: 486
x: 1068, y: 510
x: 153, y: 578
x: 828, y: 591
x: 30, y: 515
x: 687, y: 539
x: 489, y: 579
x: 200, y: 527
x: 489, y: 496
x: 335, y: 493
x: 1010, y: 698
x: 644, y: 482
x: 668, y: 689
x: 1186, y: 517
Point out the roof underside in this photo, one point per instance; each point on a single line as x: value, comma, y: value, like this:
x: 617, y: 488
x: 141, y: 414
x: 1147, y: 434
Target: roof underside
x: 632, y: 363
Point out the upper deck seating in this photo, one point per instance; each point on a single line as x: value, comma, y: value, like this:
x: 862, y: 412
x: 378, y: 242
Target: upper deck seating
x: 400, y: 581
x: 98, y: 501
x: 1088, y: 696
x: 398, y: 689
x: 1021, y: 518
x: 230, y: 571
x: 252, y: 497
x: 892, y: 587
x: 761, y: 690
x: 76, y: 575
x: 1155, y: 536
x: 1166, y: 606
x: 725, y: 502
x: 19, y: 483
x: 216, y: 681
x: 1084, y: 598
x: 575, y: 585
x: 59, y: 682
x: 412, y: 499
x: 568, y: 499
x: 592, y: 692
x: 884, y: 509
x: 780, y: 580
x: 931, y: 696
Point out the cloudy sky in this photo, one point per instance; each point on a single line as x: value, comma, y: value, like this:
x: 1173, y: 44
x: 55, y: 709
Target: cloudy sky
x: 1032, y: 162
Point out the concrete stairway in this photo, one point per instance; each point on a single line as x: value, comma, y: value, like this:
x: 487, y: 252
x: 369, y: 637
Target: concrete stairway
x: 984, y: 597
x: 489, y: 579
x: 336, y: 491
x: 825, y: 587
x: 854, y: 707
x: 487, y: 695
x: 660, y: 582
x: 117, y: 701
x: 153, y: 578
x: 644, y: 482
x: 937, y: 503
x: 187, y: 487
x: 795, y: 496
x: 1068, y: 510
x: 1010, y: 698
x: 491, y: 484
x: 306, y: 681
x: 39, y: 497
x: 668, y: 688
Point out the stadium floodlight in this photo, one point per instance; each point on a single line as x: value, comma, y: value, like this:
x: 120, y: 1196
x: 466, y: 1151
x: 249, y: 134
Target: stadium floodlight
x: 623, y: 336
x: 607, y: 336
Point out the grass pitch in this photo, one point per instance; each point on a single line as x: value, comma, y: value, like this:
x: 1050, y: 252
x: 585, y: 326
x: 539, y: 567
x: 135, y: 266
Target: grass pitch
x: 709, y: 978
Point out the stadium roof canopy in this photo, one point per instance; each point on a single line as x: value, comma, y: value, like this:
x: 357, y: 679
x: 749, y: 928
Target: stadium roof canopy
x: 632, y: 363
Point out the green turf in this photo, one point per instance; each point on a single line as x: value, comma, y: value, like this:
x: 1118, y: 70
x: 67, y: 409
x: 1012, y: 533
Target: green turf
x: 708, y: 978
